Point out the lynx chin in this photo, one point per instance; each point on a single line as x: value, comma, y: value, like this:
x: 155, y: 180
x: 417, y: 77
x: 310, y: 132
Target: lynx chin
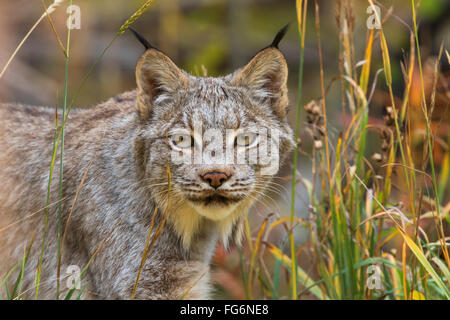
x: 121, y: 180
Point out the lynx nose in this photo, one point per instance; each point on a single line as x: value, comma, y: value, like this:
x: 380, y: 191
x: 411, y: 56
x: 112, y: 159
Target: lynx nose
x: 214, y: 178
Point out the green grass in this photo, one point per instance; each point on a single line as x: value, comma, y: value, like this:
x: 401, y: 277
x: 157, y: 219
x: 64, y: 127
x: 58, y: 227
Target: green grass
x: 355, y: 219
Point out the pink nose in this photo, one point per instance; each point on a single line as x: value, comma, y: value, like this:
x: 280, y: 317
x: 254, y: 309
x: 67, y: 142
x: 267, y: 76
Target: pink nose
x: 214, y: 178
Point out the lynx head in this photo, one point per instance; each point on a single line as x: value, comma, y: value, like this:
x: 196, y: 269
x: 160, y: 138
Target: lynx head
x: 212, y: 145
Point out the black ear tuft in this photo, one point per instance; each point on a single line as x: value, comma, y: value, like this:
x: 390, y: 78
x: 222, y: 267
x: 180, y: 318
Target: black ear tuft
x: 279, y: 36
x: 141, y: 39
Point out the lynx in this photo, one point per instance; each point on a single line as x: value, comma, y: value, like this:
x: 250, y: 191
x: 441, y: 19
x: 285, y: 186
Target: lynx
x: 129, y: 211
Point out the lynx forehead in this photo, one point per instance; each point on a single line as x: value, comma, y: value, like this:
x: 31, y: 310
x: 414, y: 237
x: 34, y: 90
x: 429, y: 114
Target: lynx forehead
x: 125, y: 153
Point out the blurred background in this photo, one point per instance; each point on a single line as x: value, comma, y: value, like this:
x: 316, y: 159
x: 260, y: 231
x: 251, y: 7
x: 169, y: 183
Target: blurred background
x: 220, y: 36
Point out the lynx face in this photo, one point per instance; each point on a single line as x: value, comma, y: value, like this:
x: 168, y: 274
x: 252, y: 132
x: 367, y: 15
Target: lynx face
x: 221, y: 139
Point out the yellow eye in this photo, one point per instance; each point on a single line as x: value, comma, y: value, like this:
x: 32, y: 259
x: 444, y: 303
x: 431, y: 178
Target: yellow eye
x: 182, y: 141
x: 245, y: 139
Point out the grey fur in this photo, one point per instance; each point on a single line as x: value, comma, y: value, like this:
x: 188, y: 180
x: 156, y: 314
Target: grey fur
x: 121, y: 147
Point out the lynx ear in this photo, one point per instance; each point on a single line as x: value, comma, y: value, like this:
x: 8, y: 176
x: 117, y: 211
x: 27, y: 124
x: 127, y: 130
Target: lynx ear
x: 266, y: 77
x: 156, y: 75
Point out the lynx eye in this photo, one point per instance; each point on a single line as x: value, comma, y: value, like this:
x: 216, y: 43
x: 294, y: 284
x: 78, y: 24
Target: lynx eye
x: 183, y: 141
x: 245, y: 139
